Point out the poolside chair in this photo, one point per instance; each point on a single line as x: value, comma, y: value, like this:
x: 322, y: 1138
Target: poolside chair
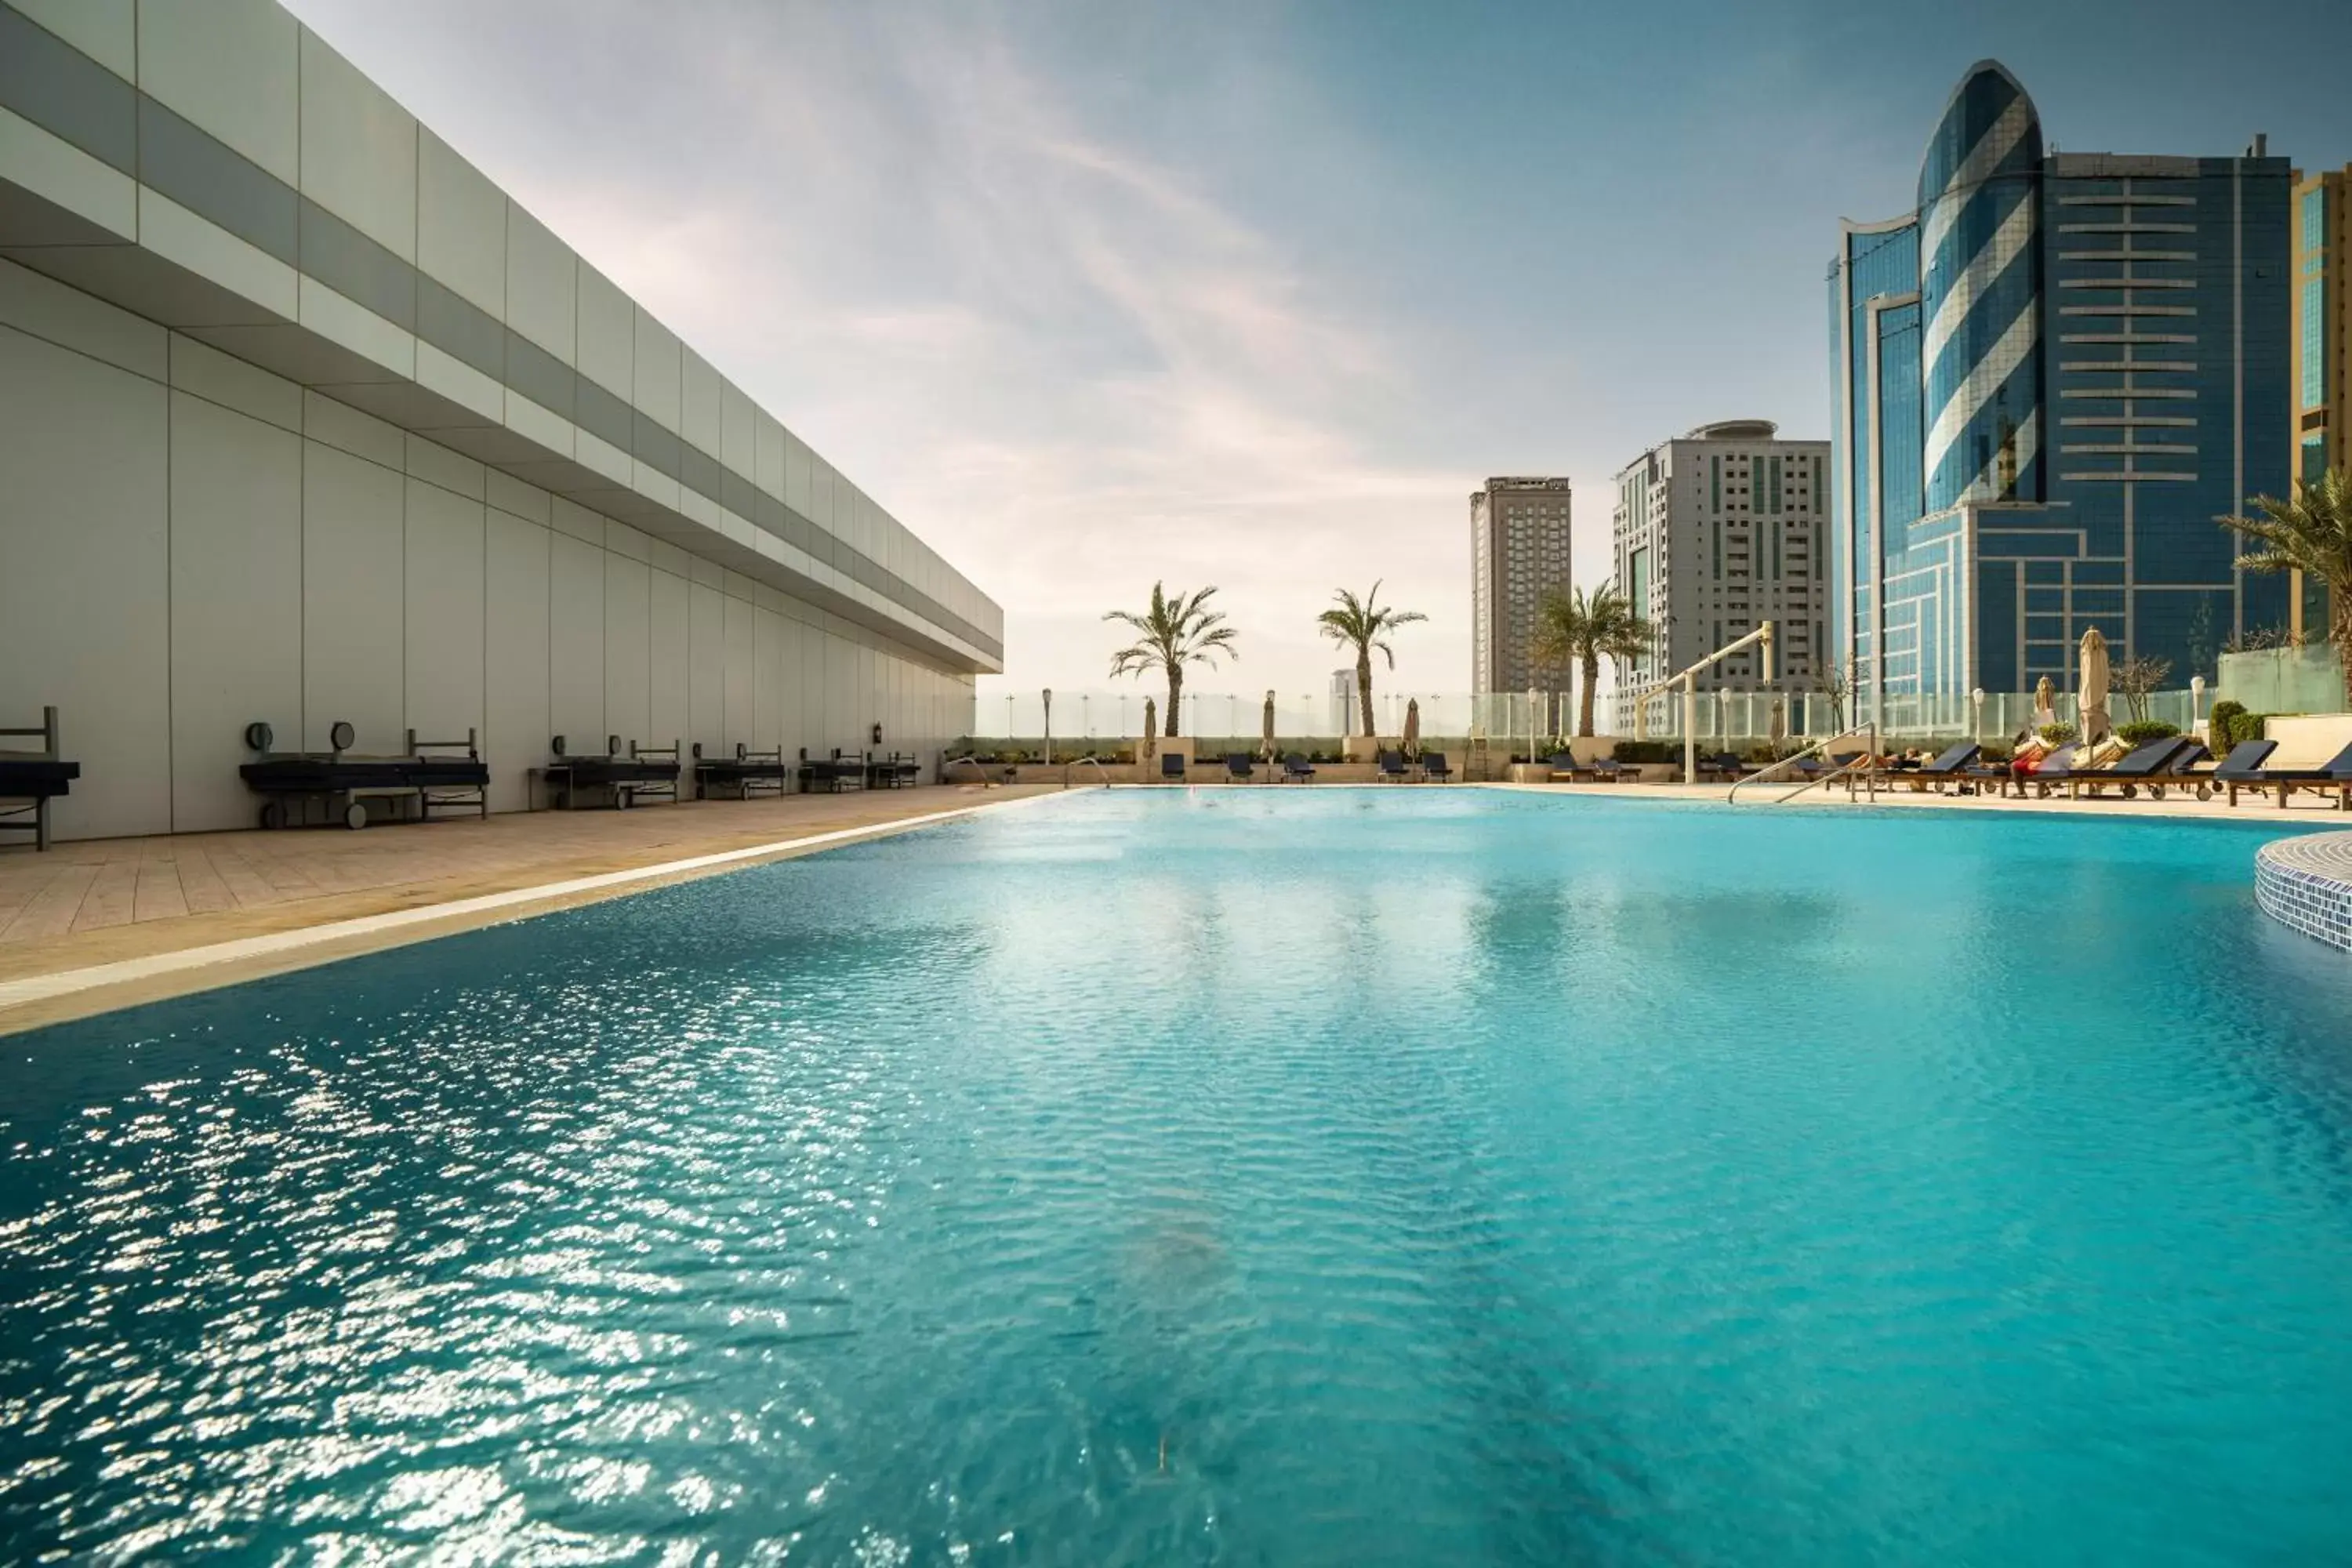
x: 2151, y: 761
x: 2331, y: 777
x: 1609, y: 770
x: 1239, y: 768
x: 1434, y: 766
x: 1564, y: 766
x: 2057, y: 766
x: 1720, y: 765
x: 1172, y: 767
x: 1812, y: 768
x: 1952, y: 762
x: 1296, y: 769
x: 1973, y: 778
x: 2242, y: 768
x: 2189, y: 768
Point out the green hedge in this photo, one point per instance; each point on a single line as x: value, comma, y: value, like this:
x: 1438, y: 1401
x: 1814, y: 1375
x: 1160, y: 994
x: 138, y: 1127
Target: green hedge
x: 2140, y: 732
x: 2231, y: 725
x: 2222, y: 726
x: 1648, y: 751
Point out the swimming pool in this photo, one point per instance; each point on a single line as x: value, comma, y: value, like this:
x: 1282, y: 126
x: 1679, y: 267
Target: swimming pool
x: 1228, y: 1176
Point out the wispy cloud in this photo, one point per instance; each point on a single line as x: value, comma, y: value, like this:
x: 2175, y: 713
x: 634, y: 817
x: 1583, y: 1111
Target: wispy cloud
x: 1072, y: 367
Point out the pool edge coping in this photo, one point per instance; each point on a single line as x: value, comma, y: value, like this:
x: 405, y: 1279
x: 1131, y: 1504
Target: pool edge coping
x: 37, y: 1001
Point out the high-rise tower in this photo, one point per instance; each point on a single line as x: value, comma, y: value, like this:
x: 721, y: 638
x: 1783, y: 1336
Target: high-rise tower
x: 2054, y: 376
x: 1980, y: 295
x: 1519, y: 553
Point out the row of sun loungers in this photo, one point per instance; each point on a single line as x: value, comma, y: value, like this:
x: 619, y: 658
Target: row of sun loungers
x: 2179, y: 762
x: 1242, y: 768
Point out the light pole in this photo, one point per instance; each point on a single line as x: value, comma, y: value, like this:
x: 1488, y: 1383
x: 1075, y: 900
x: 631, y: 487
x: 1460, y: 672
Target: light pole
x: 1049, y: 726
x: 2196, y: 702
x: 1086, y: 713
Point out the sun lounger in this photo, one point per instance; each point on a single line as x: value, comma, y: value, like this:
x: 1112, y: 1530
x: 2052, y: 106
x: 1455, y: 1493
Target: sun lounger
x: 832, y: 773
x: 622, y: 775
x: 1239, y: 768
x: 745, y: 774
x: 38, y: 777
x: 1392, y: 765
x: 2331, y: 777
x: 1720, y: 765
x: 313, y: 788
x: 1564, y: 766
x: 2242, y: 768
x: 896, y: 771
x: 2151, y: 761
x: 1172, y: 767
x: 1296, y: 770
x: 1952, y: 762
x: 1434, y: 766
x: 2054, y: 769
x: 1609, y: 770
x: 2189, y: 768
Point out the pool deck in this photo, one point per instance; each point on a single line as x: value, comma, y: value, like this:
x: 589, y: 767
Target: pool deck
x: 104, y: 923
x: 100, y: 924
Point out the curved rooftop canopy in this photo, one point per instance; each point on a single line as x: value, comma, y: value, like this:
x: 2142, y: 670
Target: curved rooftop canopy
x: 1735, y: 430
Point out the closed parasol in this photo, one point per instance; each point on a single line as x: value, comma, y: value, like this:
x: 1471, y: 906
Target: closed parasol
x: 1412, y: 728
x: 1266, y: 732
x: 1150, y: 747
x: 2095, y: 724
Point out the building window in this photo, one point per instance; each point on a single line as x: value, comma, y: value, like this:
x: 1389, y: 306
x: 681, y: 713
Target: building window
x: 2314, y: 359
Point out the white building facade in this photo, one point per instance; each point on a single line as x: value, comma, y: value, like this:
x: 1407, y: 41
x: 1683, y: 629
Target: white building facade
x: 303, y: 420
x: 1519, y: 553
x: 1716, y: 533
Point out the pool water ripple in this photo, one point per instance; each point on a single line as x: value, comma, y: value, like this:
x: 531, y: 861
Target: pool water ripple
x: 1226, y: 1177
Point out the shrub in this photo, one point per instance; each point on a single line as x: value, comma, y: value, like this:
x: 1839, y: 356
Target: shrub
x: 1996, y: 752
x: 1646, y: 752
x: 2058, y: 734
x: 2140, y: 732
x: 2223, y: 724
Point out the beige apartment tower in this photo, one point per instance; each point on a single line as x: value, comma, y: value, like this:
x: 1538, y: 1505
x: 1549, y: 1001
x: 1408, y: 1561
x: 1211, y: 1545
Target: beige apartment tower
x: 1519, y: 553
x: 1716, y: 531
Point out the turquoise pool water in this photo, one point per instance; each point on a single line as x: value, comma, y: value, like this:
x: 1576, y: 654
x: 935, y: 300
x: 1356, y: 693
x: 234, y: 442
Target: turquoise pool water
x: 1227, y: 1176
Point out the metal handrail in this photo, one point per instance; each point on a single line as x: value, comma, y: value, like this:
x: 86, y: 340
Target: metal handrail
x: 1090, y: 757
x: 1868, y: 762
x: 973, y: 762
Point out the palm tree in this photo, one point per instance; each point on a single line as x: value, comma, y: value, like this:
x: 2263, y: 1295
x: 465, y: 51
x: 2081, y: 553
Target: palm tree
x: 1365, y: 624
x: 1573, y: 629
x: 2311, y: 533
x: 1176, y: 631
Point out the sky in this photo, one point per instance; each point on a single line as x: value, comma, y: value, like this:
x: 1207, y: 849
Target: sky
x: 1254, y: 294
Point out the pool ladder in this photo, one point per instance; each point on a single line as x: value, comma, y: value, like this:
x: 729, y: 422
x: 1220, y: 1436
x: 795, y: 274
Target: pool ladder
x: 1865, y: 767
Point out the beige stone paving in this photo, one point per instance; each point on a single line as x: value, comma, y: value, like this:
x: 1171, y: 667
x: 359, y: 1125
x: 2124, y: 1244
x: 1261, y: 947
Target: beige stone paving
x: 106, y: 901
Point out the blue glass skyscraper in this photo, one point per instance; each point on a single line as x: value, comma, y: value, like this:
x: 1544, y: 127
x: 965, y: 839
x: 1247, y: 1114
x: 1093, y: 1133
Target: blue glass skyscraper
x: 2054, y: 376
